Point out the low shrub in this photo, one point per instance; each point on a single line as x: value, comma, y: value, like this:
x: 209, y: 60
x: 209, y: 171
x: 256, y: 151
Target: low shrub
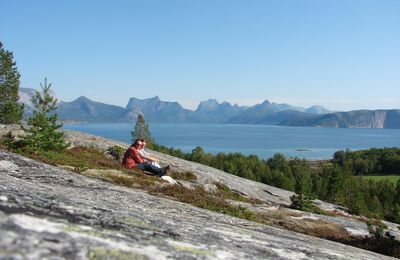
x: 227, y: 193
x: 301, y: 202
x: 116, y: 151
x: 200, y: 198
x: 184, y: 176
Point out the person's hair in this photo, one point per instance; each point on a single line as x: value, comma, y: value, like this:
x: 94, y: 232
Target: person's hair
x: 137, y: 141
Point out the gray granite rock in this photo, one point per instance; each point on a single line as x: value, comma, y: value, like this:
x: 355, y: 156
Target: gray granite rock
x: 51, y: 213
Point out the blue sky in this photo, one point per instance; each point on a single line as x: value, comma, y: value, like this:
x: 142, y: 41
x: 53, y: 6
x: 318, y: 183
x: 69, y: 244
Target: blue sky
x: 342, y: 54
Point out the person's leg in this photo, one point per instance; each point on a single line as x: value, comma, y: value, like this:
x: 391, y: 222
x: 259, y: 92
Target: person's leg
x: 154, y: 169
x: 141, y: 166
x: 155, y: 164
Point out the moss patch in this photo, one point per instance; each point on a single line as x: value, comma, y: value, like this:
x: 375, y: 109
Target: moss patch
x: 89, y: 231
x: 136, y: 223
x: 108, y: 253
x: 193, y: 250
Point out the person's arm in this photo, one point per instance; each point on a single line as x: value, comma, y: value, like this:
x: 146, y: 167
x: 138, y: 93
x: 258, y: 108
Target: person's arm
x: 136, y: 157
x: 151, y: 158
x: 143, y: 154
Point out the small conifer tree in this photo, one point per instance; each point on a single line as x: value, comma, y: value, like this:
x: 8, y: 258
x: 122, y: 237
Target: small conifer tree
x: 301, y: 202
x: 10, y: 110
x: 42, y: 134
x: 141, y: 131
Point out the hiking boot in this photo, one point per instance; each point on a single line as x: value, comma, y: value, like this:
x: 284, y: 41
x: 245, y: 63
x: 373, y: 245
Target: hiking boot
x: 163, y: 171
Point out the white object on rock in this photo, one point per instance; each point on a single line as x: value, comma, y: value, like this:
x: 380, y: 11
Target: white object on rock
x: 169, y: 179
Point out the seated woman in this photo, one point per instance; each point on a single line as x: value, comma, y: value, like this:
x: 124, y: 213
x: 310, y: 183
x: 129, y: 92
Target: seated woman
x: 148, y: 157
x: 132, y: 159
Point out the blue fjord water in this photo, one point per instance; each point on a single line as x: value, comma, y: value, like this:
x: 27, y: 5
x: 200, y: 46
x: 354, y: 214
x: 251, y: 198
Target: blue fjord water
x: 261, y: 140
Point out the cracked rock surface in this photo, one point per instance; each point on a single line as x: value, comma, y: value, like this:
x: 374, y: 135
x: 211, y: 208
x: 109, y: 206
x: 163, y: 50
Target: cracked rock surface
x: 50, y: 213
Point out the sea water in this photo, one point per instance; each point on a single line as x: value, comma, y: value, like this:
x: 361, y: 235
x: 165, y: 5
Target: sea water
x: 261, y: 140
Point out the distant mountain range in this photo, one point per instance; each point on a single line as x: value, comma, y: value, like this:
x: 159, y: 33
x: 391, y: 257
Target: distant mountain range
x: 210, y: 111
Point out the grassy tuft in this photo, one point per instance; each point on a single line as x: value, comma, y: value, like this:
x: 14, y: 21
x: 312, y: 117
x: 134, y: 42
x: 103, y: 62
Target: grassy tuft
x: 184, y: 176
x: 79, y: 157
x: 292, y: 220
x: 227, y: 193
x: 200, y: 198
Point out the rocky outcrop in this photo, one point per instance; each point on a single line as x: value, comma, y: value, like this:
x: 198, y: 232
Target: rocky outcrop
x: 271, y: 199
x: 48, y: 212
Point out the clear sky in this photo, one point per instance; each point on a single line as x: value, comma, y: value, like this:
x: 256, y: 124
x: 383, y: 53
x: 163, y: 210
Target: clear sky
x: 342, y: 54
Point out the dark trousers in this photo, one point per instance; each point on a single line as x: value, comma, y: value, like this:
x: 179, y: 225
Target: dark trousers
x: 146, y: 166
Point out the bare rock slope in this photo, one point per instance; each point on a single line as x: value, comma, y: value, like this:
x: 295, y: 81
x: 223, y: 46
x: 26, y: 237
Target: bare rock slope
x: 48, y: 212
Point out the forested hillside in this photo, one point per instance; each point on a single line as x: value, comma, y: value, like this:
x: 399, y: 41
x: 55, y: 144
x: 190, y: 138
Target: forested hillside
x: 337, y: 181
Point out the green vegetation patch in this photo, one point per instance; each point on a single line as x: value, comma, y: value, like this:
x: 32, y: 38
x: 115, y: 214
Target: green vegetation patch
x: 200, y: 198
x: 193, y: 250
x: 184, y: 176
x: 137, y: 223
x: 108, y: 253
x: 293, y: 220
x: 127, y: 178
x: 392, y: 178
x: 81, y: 158
x: 227, y: 193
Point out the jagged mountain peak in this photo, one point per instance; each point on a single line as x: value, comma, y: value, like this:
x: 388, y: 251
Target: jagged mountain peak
x: 317, y: 109
x: 82, y: 99
x: 154, y: 109
x: 265, y: 103
x: 137, y: 103
x: 208, y: 105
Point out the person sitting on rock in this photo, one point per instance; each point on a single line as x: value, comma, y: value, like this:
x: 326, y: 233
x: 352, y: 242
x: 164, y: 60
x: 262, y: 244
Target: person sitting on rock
x: 132, y: 159
x: 146, y: 156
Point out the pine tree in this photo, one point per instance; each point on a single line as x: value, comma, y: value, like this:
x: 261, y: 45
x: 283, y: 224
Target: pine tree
x: 302, y: 176
x: 397, y: 193
x: 336, y: 186
x: 141, y: 131
x: 10, y: 110
x: 355, y: 197
x: 42, y: 134
x: 375, y: 207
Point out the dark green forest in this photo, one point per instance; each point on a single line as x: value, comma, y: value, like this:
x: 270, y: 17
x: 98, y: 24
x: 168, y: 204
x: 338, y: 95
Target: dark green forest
x: 338, y: 181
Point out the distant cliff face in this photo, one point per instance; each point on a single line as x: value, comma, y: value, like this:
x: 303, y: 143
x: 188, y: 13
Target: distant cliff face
x: 351, y: 119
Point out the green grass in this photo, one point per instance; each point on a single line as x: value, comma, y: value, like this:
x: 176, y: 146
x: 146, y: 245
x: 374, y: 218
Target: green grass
x: 392, y: 178
x: 80, y: 158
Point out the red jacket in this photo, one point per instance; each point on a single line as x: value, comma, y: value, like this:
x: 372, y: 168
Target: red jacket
x: 131, y: 158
